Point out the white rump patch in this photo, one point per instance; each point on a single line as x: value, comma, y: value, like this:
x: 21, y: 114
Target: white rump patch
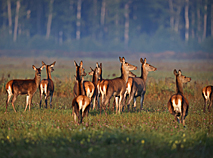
x: 82, y: 106
x: 206, y: 95
x: 9, y: 91
x: 128, y: 89
x: 177, y: 107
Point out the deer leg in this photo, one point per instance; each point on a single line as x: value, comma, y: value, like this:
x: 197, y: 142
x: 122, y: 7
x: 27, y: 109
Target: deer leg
x: 134, y: 102
x: 120, y: 104
x: 13, y: 100
x: 141, y: 101
x: 46, y: 97
x: 205, y: 104
x: 41, y: 93
x: 8, y: 99
x: 131, y: 96
x: 210, y: 105
x: 27, y: 102
x: 51, y: 97
x: 116, y: 103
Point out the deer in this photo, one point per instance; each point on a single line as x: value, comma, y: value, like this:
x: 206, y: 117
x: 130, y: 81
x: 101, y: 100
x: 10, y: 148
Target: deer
x: 116, y: 87
x: 208, y: 97
x: 46, y: 85
x: 88, y: 87
x: 178, y: 105
x: 23, y: 87
x: 96, y: 78
x: 80, y: 103
x: 136, y: 86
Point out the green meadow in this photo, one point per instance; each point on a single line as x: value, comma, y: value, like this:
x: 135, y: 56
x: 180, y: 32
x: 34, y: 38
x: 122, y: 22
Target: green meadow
x: 149, y: 133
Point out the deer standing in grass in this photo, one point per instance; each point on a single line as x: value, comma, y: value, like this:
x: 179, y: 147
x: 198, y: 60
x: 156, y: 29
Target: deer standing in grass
x: 47, y: 86
x: 178, y: 105
x: 80, y: 103
x: 136, y: 86
x: 116, y: 87
x: 23, y: 86
x: 96, y: 78
x: 88, y: 88
x: 207, y: 96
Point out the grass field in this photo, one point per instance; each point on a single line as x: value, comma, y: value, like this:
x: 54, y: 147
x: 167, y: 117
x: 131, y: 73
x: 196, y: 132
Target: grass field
x: 150, y: 133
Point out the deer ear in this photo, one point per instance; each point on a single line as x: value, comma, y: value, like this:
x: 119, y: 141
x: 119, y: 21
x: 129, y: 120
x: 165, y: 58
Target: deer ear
x: 91, y: 69
x: 120, y: 59
x: 33, y: 67
x: 75, y: 63
x: 123, y: 60
x: 53, y: 64
x: 100, y: 65
x: 144, y: 60
x: 141, y: 60
x: 81, y: 64
x: 179, y: 72
x: 42, y: 67
x: 43, y: 63
x: 175, y: 72
x: 97, y: 65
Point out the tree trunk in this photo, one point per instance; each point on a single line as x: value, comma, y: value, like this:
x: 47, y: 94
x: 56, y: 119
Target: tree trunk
x: 193, y: 24
x: 171, y: 14
x: 198, y: 21
x: 78, y: 22
x: 9, y: 16
x: 18, y: 5
x: 49, y: 21
x: 212, y: 20
x: 205, y: 20
x: 126, y: 25
x: 177, y: 20
x: 103, y: 12
x: 186, y: 20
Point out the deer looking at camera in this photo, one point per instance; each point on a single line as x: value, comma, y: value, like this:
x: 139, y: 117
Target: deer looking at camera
x: 207, y: 96
x: 178, y: 104
x: 136, y: 86
x: 23, y: 86
x: 80, y: 103
x: 47, y: 86
x: 116, y: 87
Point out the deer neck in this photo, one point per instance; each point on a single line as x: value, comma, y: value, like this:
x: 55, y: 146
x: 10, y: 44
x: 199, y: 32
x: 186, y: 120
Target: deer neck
x: 37, y: 80
x: 95, y: 79
x: 48, y: 74
x: 179, y: 86
x: 144, y: 74
x: 124, y: 74
x: 80, y: 88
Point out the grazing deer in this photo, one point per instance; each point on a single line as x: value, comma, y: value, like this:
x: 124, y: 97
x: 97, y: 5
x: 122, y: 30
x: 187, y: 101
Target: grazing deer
x: 96, y: 78
x: 136, y: 86
x: 116, y: 87
x: 207, y: 96
x: 23, y: 86
x: 80, y: 103
x: 47, y: 86
x: 178, y: 104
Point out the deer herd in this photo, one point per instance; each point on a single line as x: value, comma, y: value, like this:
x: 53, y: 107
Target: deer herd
x: 88, y: 93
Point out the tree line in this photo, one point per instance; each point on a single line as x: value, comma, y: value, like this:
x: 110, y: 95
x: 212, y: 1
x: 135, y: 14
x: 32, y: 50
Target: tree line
x: 107, y: 25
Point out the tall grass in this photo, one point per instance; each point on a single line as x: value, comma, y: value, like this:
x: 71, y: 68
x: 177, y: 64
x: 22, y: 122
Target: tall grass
x: 150, y: 133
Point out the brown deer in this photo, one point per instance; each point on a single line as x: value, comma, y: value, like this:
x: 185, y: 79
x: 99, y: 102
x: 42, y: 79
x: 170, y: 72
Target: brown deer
x: 136, y: 86
x: 47, y: 86
x: 116, y: 87
x: 100, y: 82
x: 207, y: 96
x: 80, y: 103
x: 96, y: 78
x: 23, y: 86
x: 88, y: 88
x: 178, y: 104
